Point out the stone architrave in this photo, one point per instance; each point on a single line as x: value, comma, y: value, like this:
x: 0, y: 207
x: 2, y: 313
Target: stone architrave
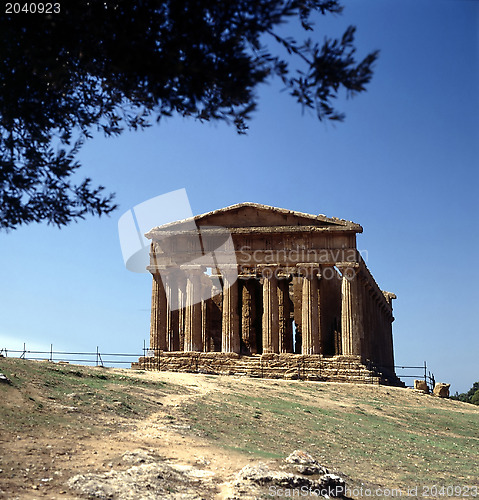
x: 159, y: 314
x: 270, y: 312
x: 230, y: 338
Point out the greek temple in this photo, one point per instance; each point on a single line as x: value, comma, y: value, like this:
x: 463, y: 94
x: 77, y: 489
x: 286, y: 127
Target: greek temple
x: 262, y: 291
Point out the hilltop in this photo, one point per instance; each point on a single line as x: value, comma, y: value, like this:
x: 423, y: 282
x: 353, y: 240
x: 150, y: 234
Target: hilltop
x: 197, y: 431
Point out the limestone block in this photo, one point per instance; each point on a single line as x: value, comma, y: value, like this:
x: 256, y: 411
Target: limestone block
x: 441, y: 390
x: 270, y: 365
x: 421, y: 385
x: 304, y: 463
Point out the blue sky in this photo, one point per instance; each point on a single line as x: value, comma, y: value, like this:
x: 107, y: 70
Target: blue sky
x: 403, y: 165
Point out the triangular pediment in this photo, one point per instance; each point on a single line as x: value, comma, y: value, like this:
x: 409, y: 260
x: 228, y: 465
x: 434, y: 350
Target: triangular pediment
x: 257, y: 215
x: 254, y: 215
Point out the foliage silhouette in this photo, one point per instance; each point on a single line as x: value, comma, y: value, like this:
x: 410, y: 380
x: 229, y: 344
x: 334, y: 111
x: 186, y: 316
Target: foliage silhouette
x: 118, y: 65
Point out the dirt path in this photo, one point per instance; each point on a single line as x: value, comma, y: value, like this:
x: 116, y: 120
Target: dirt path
x: 38, y: 465
x: 165, y: 433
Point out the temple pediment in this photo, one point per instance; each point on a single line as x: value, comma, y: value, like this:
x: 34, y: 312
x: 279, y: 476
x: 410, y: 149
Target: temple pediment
x: 254, y: 216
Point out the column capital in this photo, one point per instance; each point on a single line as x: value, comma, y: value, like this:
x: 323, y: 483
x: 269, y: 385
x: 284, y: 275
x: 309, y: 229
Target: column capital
x: 245, y: 277
x: 347, y: 264
x: 349, y: 270
x: 308, y: 269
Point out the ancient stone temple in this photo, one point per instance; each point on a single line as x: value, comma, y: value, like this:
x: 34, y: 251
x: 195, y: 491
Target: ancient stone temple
x: 262, y: 291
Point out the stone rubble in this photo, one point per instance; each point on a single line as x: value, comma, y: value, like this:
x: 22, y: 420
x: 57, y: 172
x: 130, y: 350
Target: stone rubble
x: 421, y: 385
x: 295, y: 474
x: 151, y: 478
x: 441, y: 390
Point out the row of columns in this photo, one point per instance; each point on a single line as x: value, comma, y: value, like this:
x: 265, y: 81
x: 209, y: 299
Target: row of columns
x: 358, y: 311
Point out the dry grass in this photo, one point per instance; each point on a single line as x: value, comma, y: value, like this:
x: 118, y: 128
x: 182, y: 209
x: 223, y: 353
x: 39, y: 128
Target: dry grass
x: 382, y: 436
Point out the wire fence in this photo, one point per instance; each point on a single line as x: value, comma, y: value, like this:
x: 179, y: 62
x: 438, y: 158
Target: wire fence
x: 96, y: 358
x: 424, y: 374
x: 99, y: 358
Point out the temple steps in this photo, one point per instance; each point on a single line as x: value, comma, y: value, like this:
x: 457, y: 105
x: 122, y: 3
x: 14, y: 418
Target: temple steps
x: 278, y: 366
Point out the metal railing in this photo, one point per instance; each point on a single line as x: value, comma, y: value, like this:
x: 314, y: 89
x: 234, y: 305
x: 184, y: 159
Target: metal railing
x: 425, y: 374
x: 97, y: 358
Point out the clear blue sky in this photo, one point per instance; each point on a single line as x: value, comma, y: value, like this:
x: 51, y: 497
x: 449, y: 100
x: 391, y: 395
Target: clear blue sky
x: 403, y: 165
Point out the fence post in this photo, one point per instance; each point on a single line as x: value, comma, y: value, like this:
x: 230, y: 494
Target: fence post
x: 425, y: 372
x: 96, y: 355
x: 22, y: 356
x: 51, y: 352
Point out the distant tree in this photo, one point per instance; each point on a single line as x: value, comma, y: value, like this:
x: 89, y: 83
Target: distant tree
x: 471, y: 396
x: 111, y: 65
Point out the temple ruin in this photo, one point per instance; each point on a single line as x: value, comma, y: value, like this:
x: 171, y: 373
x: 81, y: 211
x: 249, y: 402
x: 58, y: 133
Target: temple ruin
x: 262, y: 291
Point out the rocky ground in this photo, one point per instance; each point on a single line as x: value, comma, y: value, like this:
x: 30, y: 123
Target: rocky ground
x: 76, y: 432
x: 74, y: 452
x: 151, y: 477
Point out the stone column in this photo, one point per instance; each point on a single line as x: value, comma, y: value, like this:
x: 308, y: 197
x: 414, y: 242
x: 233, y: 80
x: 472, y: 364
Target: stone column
x: 172, y: 331
x: 181, y: 283
x: 376, y: 350
x: 230, y: 332
x: 368, y: 322
x: 297, y: 308
x: 193, y: 340
x: 270, y: 313
x: 351, y: 313
x: 158, y: 316
x: 284, y: 316
x: 390, y: 348
x: 387, y: 355
x: 310, y: 320
x: 248, y: 314
x: 205, y: 319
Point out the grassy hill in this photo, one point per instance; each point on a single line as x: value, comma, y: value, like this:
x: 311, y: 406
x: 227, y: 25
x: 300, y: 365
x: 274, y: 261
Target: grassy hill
x: 60, y: 420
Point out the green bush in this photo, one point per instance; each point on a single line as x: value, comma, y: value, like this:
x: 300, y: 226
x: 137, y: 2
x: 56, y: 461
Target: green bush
x: 471, y: 396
